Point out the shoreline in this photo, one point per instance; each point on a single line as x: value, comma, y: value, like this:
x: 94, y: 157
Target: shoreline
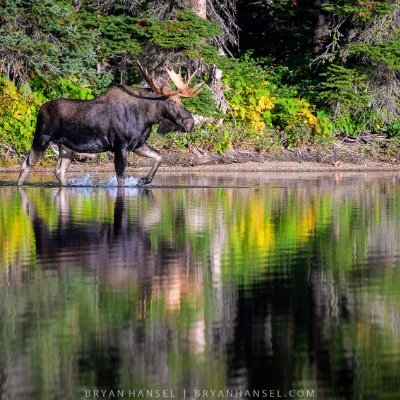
x: 249, y: 166
x: 325, y: 159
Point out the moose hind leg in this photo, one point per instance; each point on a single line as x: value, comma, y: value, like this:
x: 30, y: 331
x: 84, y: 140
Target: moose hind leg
x: 147, y: 151
x: 64, y: 160
x: 30, y: 160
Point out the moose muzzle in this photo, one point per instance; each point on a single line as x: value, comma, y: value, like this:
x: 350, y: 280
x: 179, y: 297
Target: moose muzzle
x: 188, y: 124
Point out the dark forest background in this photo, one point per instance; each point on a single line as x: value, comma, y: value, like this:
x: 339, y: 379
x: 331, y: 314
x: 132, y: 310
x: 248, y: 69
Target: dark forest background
x: 277, y: 72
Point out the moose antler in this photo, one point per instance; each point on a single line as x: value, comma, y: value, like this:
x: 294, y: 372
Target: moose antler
x: 164, y: 90
x: 184, y: 89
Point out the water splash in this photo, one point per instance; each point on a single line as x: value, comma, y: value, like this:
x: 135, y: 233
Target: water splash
x: 85, y: 180
x: 88, y: 180
x: 112, y: 182
x: 132, y: 187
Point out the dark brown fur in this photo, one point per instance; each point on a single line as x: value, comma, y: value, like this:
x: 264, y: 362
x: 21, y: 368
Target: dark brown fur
x: 119, y: 120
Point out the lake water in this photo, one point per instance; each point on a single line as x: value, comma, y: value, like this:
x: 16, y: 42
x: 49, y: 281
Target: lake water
x: 228, y: 282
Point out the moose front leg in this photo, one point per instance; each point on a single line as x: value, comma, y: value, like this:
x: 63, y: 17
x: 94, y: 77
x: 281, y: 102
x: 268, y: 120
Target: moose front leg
x: 120, y: 165
x: 64, y: 160
x: 146, y: 151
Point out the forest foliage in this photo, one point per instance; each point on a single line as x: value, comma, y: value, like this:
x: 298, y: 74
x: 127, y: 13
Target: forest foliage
x: 335, y: 74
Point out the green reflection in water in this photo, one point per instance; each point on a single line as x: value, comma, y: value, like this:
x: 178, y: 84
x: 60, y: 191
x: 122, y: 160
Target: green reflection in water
x: 285, y: 286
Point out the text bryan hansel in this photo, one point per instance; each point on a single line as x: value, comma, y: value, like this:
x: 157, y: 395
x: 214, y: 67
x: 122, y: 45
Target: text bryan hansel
x: 155, y: 394
x: 197, y: 394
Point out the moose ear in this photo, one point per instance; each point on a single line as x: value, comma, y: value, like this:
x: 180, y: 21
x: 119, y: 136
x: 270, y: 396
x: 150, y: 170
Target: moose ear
x: 165, y: 126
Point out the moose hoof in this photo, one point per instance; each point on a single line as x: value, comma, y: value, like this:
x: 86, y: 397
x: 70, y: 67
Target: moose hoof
x: 144, y: 181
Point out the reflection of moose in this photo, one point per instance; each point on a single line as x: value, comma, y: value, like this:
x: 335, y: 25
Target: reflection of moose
x: 120, y: 250
x: 116, y: 244
x: 119, y: 120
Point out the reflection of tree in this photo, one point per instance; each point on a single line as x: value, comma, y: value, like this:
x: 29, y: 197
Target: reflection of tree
x: 15, y: 234
x: 136, y: 281
x: 258, y: 288
x: 313, y: 303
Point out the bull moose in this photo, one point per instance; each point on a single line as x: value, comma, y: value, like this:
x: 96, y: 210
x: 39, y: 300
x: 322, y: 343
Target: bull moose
x: 119, y: 120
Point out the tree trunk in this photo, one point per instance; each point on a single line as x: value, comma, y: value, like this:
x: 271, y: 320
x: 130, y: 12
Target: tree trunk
x: 217, y: 89
x: 200, y: 8
x: 321, y: 27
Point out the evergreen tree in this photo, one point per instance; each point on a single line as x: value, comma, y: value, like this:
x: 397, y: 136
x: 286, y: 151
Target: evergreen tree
x: 333, y: 36
x: 39, y: 37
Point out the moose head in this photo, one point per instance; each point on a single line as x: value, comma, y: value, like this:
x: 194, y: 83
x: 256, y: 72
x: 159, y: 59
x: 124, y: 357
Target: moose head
x: 175, y: 111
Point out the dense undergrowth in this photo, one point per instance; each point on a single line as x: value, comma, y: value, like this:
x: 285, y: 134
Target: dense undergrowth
x: 50, y: 49
x: 263, y: 115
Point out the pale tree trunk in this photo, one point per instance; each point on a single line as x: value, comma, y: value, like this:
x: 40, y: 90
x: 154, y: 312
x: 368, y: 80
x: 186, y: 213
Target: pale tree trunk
x: 200, y: 8
x: 217, y: 89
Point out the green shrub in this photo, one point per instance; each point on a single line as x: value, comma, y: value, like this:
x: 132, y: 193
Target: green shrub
x: 220, y: 138
x: 249, y: 93
x: 203, y: 104
x: 61, y: 87
x: 18, y: 109
x: 393, y: 130
x: 289, y: 112
x: 224, y: 143
x: 258, y: 103
x: 210, y: 136
x: 325, y: 127
x: 345, y: 124
x: 19, y: 106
